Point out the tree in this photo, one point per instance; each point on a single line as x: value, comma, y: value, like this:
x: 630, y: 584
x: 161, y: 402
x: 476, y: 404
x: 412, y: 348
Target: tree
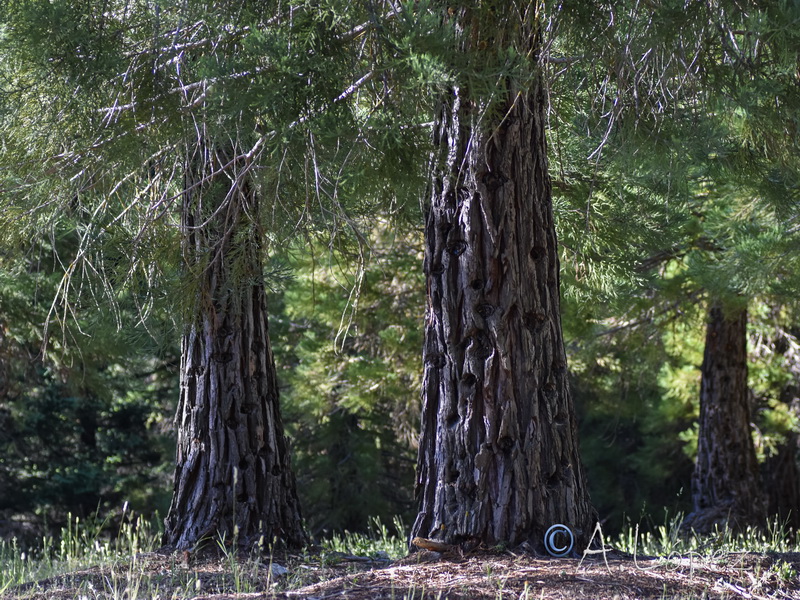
x: 211, y: 131
x: 725, y: 485
x: 498, y: 459
x: 695, y: 110
x: 350, y: 378
x: 233, y: 475
x: 82, y: 426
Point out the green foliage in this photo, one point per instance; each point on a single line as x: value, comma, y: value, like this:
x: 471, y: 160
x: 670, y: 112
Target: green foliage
x: 79, y: 544
x: 347, y: 344
x: 81, y: 423
x: 674, y: 186
x: 300, y: 93
x: 674, y: 155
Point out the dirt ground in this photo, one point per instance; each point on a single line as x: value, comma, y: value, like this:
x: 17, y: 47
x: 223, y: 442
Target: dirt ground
x: 428, y: 576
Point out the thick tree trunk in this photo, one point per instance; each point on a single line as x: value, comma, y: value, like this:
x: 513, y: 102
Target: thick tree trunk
x: 726, y: 483
x: 233, y: 478
x: 498, y: 458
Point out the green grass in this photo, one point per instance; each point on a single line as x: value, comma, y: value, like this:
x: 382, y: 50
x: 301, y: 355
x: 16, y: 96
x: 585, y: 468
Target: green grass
x: 81, y: 544
x: 378, y: 542
x: 110, y: 560
x: 668, y: 539
x: 85, y: 544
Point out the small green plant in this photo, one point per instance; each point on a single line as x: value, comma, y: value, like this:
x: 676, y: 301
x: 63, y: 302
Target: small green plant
x: 379, y: 542
x: 83, y: 543
x: 784, y: 571
x: 15, y: 566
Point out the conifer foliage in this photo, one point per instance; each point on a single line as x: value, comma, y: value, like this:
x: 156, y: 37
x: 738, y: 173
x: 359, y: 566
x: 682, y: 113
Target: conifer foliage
x: 695, y: 119
x: 175, y: 148
x: 193, y: 135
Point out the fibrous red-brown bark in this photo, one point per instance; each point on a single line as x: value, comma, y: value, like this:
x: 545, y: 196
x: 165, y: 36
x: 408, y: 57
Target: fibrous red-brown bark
x: 726, y: 486
x: 498, y: 458
x: 233, y: 478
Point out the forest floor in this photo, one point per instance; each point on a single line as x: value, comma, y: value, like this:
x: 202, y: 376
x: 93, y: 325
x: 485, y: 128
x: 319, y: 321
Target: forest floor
x: 484, y: 575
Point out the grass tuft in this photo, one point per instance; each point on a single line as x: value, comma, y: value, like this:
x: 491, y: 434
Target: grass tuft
x: 378, y: 542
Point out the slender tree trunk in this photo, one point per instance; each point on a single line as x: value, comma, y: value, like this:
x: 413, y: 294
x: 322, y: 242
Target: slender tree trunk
x: 233, y: 478
x: 782, y: 483
x: 498, y: 459
x: 726, y: 482
x: 780, y: 471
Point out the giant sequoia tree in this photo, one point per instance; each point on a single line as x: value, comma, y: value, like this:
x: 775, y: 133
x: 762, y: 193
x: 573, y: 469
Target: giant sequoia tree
x: 185, y: 139
x: 498, y: 458
x: 725, y: 486
x: 233, y: 475
x: 689, y: 193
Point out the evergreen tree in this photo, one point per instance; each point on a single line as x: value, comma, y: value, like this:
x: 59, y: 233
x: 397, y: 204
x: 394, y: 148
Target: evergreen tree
x: 725, y: 493
x: 349, y: 340
x: 708, y: 93
x: 498, y: 459
x: 216, y: 130
x: 233, y: 475
x: 83, y: 425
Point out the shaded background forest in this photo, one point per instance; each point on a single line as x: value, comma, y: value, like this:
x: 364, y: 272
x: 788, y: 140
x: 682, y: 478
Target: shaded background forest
x: 659, y: 213
x: 89, y: 428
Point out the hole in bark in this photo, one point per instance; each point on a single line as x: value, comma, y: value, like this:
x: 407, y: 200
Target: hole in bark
x: 493, y: 180
x: 436, y: 360
x: 468, y: 379
x: 554, y: 480
x: 276, y: 470
x: 457, y: 248
x: 476, y: 284
x: 467, y: 486
x: 452, y: 474
x: 437, y: 269
x: 479, y: 345
x: 538, y: 252
x: 533, y: 320
x: 222, y: 357
x: 484, y: 347
x: 243, y: 463
x: 484, y: 310
x: 242, y: 498
x: 506, y: 444
x: 452, y: 421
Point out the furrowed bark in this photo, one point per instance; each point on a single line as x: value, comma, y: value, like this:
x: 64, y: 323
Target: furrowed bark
x: 726, y: 482
x: 498, y: 458
x: 233, y: 478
